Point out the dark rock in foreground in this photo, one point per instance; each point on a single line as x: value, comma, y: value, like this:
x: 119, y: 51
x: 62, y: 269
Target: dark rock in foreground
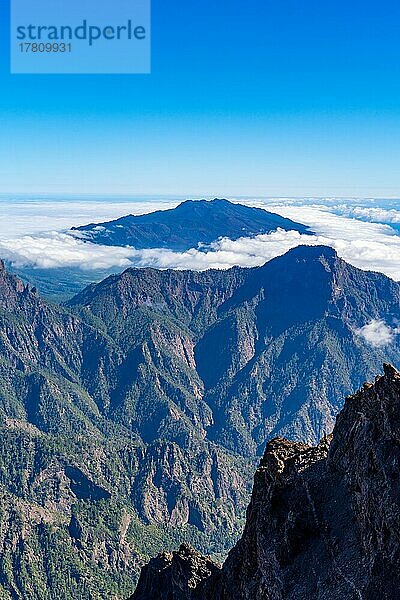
x: 323, y: 522
x: 174, y: 575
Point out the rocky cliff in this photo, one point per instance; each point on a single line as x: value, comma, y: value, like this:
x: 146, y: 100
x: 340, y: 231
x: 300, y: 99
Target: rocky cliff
x: 83, y: 497
x: 130, y: 419
x: 323, y: 522
x: 245, y: 354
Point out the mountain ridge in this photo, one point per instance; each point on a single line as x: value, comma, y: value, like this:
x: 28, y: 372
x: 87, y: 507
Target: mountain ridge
x: 140, y: 406
x: 72, y: 477
x: 322, y: 521
x: 254, y: 322
x: 192, y: 224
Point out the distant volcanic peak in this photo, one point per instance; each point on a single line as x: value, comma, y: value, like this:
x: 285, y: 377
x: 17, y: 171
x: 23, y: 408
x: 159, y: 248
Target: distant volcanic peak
x: 204, y: 202
x: 222, y: 200
x: 191, y: 223
x: 204, y: 206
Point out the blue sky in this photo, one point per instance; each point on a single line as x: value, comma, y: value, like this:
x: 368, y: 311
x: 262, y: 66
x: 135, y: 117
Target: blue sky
x: 257, y: 98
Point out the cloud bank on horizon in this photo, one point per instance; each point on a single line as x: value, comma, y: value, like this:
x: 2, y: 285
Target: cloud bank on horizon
x: 360, y: 235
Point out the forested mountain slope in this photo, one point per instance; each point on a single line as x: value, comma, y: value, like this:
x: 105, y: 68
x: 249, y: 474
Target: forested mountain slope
x: 131, y: 418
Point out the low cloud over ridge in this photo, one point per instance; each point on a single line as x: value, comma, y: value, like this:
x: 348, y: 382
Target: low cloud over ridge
x: 377, y: 333
x: 366, y: 245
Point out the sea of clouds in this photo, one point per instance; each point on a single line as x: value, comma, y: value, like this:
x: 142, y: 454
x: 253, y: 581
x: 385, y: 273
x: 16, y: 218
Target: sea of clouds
x: 36, y: 233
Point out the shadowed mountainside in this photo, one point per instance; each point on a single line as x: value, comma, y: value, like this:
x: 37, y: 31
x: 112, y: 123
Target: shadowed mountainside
x: 84, y: 498
x: 192, y: 224
x: 131, y: 418
x: 266, y: 351
x: 323, y: 522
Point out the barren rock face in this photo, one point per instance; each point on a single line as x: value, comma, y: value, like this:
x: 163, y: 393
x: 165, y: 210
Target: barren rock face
x: 366, y: 451
x: 323, y: 522
x: 174, y: 575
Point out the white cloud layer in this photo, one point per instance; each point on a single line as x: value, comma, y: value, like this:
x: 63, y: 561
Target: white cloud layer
x: 366, y: 245
x: 374, y: 215
x: 56, y: 249
x: 377, y: 333
x: 30, y: 216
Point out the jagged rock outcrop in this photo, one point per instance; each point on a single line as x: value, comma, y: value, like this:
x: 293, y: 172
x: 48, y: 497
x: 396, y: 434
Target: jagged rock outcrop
x: 174, y: 575
x: 323, y: 521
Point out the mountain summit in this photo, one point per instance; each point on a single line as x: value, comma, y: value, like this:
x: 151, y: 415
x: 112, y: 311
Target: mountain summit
x: 130, y: 418
x: 271, y: 348
x: 188, y: 225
